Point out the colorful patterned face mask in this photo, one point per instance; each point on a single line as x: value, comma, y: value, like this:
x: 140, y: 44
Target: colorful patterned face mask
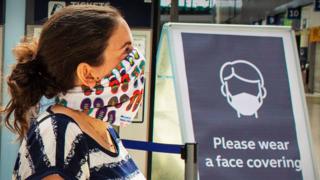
x: 116, y: 97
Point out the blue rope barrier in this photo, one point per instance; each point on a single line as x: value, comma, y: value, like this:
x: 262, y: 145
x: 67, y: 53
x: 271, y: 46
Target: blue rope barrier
x: 154, y: 147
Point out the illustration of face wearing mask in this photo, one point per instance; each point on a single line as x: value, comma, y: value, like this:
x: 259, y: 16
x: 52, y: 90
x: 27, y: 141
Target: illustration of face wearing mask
x: 245, y: 103
x: 116, y: 98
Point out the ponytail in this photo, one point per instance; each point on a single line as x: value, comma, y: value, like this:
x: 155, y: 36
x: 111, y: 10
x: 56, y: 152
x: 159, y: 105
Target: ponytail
x: 26, y: 85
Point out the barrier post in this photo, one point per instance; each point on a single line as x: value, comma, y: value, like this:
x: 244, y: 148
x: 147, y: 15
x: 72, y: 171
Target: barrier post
x: 189, y: 154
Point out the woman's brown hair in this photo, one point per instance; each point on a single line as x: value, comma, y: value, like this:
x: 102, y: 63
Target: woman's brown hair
x: 73, y: 35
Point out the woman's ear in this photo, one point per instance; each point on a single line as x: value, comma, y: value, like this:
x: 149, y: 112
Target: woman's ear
x: 86, y: 75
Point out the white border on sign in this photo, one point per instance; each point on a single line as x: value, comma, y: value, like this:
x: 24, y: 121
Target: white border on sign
x: 174, y: 30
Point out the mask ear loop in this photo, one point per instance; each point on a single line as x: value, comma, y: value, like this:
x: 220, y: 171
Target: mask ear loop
x: 228, y: 94
x: 224, y: 86
x: 259, y: 93
x: 264, y: 92
x: 222, y: 89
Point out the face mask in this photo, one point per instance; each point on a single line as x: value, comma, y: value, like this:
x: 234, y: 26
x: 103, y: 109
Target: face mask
x: 116, y: 98
x: 244, y: 103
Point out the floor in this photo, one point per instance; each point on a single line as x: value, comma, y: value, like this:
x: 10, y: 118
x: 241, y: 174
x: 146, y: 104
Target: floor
x: 313, y: 103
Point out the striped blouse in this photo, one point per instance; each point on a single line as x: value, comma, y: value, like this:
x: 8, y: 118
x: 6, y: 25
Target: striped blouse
x: 55, y: 144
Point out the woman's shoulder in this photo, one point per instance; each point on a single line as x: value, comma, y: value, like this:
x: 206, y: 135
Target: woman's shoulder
x: 53, y: 144
x: 49, y: 125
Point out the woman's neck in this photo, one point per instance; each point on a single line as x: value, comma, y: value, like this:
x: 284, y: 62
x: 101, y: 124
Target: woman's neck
x: 78, y: 116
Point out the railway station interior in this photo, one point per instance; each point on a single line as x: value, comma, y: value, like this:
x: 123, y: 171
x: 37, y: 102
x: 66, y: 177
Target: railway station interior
x: 158, y: 121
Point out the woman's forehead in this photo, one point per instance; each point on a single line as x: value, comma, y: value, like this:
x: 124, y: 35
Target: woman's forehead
x: 121, y: 35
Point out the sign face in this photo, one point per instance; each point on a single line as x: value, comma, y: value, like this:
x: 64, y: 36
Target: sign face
x: 240, y: 97
x: 317, y: 5
x: 136, y: 12
x: 294, y: 13
x: 271, y: 20
x: 55, y: 6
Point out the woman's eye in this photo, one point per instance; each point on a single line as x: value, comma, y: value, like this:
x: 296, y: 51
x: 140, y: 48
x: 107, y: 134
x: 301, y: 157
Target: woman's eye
x: 127, y: 50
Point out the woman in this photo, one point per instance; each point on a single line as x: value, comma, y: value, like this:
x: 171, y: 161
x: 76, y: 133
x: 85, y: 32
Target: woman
x: 85, y: 59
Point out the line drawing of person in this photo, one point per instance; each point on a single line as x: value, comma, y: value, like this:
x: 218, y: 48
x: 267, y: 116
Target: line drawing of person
x: 246, y: 104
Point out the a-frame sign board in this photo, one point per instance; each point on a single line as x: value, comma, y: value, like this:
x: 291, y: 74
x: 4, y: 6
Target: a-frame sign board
x: 240, y: 97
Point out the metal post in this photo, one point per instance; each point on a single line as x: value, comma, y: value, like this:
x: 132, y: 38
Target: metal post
x: 174, y: 11
x: 155, y: 40
x: 189, y: 154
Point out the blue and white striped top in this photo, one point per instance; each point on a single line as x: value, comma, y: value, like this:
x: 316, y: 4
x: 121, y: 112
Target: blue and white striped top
x: 55, y: 144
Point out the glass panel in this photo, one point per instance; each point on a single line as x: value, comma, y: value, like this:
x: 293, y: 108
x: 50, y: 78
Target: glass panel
x: 166, y: 120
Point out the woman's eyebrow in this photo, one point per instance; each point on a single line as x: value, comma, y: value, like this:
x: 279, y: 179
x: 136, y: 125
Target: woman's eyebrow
x: 127, y: 43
